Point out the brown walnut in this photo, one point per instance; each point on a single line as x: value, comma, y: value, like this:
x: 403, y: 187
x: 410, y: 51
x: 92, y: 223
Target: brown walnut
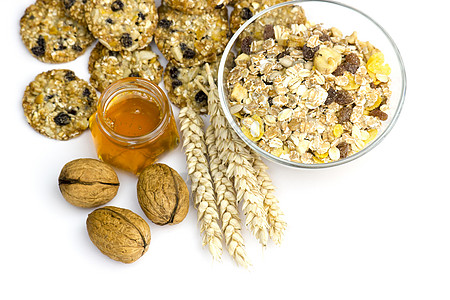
x: 118, y: 233
x: 163, y: 194
x: 87, y: 182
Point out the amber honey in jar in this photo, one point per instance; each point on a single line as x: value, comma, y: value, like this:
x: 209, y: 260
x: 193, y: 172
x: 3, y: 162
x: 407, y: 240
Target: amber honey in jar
x: 133, y: 125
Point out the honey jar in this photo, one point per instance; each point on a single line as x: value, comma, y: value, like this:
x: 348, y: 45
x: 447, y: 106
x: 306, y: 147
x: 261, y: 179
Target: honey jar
x: 133, y: 125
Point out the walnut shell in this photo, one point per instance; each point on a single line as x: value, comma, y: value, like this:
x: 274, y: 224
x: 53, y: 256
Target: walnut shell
x: 118, y: 233
x: 87, y: 182
x: 163, y: 195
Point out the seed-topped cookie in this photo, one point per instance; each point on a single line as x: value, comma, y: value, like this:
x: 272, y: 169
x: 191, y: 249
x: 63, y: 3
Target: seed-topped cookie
x: 76, y: 9
x: 196, y: 6
x: 190, y: 40
x: 50, y: 35
x: 190, y: 85
x: 58, y: 104
x: 122, y: 24
x: 106, y: 66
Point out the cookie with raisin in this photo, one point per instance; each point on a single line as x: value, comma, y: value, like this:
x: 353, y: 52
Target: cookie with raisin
x: 50, y: 35
x: 76, y: 9
x: 196, y: 6
x: 190, y: 40
x: 58, y: 104
x: 106, y: 66
x: 122, y: 24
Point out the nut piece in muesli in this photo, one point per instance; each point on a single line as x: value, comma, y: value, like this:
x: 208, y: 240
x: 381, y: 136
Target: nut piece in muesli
x: 197, y: 7
x: 76, y: 10
x: 50, y: 35
x: 122, y: 24
x: 58, y: 104
x: 106, y: 66
x: 309, y: 94
x: 190, y: 40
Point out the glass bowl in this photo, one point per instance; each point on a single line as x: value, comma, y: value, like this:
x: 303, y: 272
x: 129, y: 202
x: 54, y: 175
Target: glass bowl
x: 347, y: 19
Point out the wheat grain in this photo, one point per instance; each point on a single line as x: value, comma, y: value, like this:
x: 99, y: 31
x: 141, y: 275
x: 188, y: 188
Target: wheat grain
x: 201, y: 182
x: 227, y: 203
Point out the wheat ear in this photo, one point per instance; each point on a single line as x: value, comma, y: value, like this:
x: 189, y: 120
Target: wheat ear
x: 275, y: 216
x: 201, y: 182
x: 233, y: 152
x: 227, y: 203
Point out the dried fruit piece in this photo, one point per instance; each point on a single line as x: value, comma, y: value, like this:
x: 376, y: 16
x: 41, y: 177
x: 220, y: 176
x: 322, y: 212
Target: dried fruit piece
x: 379, y: 114
x: 117, y: 5
x: 344, y: 114
x: 164, y: 23
x: 308, y: 53
x: 246, y: 13
x: 343, y: 97
x: 269, y: 32
x: 246, y: 44
x: 126, y: 40
x: 62, y: 119
x: 344, y: 149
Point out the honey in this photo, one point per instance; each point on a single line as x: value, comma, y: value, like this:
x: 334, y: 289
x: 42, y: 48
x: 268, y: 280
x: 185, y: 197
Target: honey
x: 133, y: 125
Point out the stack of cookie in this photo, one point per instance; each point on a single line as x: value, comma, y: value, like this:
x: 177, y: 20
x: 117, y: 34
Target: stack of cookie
x: 190, y: 34
x: 59, y: 31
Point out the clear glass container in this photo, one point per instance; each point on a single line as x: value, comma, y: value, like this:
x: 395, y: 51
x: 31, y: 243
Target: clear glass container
x: 347, y: 19
x: 133, y: 125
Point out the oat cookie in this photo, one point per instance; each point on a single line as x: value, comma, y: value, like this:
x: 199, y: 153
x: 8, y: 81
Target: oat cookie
x: 75, y: 9
x: 106, y: 66
x: 190, y: 85
x: 122, y: 24
x: 58, y: 104
x: 245, y: 9
x: 196, y: 6
x: 50, y: 35
x: 190, y: 40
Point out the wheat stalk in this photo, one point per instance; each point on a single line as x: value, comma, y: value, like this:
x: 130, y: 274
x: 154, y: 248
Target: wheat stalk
x: 233, y: 152
x: 201, y: 182
x: 227, y: 203
x: 275, y: 216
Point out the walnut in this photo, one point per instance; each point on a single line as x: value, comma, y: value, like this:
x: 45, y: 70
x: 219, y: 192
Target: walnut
x: 87, y: 182
x: 118, y: 233
x: 163, y: 194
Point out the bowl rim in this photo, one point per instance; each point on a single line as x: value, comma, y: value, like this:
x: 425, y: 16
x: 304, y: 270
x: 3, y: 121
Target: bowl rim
x: 285, y: 162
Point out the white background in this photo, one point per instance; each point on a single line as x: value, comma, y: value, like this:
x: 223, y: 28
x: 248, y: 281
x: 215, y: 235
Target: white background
x: 375, y: 228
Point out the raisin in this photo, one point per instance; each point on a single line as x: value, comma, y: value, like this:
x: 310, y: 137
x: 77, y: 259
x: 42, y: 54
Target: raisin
x: 188, y: 53
x: 48, y: 97
x: 379, y: 114
x: 246, y: 43
x: 77, y: 48
x: 68, y: 3
x: 343, y: 97
x: 126, y: 40
x: 331, y: 96
x: 201, y: 97
x: 183, y: 46
x: 283, y: 54
x: 86, y: 92
x: 269, y: 32
x: 117, y: 5
x: 109, y: 21
x: 164, y: 23
x: 176, y: 83
x: 352, y: 58
x: 246, y: 13
x: 308, y: 53
x: 141, y: 16
x: 69, y: 76
x: 339, y: 70
x: 270, y: 101
x: 113, y: 53
x: 220, y: 6
x: 62, y: 119
x: 72, y: 111
x: 324, y: 37
x: 344, y: 149
x: 39, y: 50
x: 344, y: 114
x: 134, y: 74
x: 174, y: 72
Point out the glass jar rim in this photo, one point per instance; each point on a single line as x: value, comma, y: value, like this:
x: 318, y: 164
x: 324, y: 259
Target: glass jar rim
x: 133, y: 84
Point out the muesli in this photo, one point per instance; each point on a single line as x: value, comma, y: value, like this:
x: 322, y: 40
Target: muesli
x: 309, y: 94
